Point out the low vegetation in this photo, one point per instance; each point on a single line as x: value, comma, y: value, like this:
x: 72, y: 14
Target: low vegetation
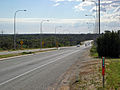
x: 8, y: 55
x: 93, y: 51
x: 49, y: 40
x: 113, y: 75
x: 11, y: 55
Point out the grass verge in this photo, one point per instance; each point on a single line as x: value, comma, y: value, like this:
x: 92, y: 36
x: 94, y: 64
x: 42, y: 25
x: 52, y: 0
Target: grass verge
x: 23, y: 53
x: 113, y: 75
x: 93, y: 80
x: 93, y: 51
x: 8, y: 55
x: 12, y: 55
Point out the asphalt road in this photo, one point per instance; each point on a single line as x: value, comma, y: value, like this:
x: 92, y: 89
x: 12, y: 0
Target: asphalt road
x: 37, y: 71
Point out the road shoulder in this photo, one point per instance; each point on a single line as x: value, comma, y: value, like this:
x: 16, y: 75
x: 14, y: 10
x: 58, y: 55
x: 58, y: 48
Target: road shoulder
x: 83, y: 74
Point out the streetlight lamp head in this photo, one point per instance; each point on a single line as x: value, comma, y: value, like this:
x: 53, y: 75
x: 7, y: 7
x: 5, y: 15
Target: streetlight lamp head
x: 48, y: 20
x: 25, y: 10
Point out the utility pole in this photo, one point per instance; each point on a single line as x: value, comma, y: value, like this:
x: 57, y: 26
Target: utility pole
x: 99, y: 14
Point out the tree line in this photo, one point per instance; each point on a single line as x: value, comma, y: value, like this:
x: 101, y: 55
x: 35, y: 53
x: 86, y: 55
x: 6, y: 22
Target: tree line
x: 48, y: 40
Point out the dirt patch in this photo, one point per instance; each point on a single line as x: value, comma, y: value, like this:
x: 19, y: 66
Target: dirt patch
x: 83, y: 75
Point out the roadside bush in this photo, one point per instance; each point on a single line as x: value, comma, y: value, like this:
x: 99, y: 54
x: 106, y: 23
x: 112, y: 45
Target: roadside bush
x: 93, y: 51
x: 108, y: 45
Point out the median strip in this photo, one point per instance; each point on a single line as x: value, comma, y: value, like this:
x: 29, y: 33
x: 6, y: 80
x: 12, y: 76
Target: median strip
x: 23, y: 53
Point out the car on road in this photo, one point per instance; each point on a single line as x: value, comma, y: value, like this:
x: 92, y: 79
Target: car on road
x: 78, y: 45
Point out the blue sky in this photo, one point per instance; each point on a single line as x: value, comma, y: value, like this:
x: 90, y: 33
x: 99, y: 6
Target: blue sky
x: 38, y: 9
x: 70, y: 14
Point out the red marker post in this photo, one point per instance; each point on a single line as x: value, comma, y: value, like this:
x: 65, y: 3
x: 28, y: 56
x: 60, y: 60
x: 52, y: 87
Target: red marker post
x: 103, y: 69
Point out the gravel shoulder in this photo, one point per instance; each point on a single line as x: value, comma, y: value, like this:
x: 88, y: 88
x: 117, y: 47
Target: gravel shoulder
x: 85, y: 74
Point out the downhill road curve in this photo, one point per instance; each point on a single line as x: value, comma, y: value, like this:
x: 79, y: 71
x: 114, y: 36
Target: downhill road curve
x: 37, y: 71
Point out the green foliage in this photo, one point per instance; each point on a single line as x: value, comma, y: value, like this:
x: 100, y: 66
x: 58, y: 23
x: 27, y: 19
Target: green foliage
x: 8, y: 55
x: 93, y: 51
x: 108, y: 45
x: 6, y: 43
x: 33, y: 40
x: 26, y: 53
x: 113, y: 75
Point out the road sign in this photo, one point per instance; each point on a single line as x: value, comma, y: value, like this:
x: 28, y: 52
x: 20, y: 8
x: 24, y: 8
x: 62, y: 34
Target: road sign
x: 21, y: 42
x: 103, y: 66
x: 103, y: 69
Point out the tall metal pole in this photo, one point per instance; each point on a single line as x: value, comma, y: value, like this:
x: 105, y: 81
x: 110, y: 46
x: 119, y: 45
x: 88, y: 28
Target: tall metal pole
x: 15, y: 27
x: 15, y: 30
x: 96, y: 12
x: 99, y: 14
x: 96, y: 16
x: 41, y: 34
x: 41, y: 31
x: 95, y: 21
x: 56, y: 36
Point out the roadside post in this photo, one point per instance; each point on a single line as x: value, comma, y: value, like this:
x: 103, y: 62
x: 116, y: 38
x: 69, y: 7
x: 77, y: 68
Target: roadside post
x: 57, y: 45
x: 21, y: 42
x: 43, y: 44
x: 103, y: 70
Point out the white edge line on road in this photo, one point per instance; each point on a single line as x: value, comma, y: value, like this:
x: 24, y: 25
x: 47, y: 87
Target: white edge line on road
x: 34, y: 69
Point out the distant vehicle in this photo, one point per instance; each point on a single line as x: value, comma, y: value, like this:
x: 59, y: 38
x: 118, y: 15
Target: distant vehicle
x: 58, y: 48
x: 78, y: 45
x: 85, y: 44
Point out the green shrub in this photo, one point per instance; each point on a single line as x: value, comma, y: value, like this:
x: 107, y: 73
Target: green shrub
x: 93, y: 51
x: 26, y: 53
x: 108, y: 45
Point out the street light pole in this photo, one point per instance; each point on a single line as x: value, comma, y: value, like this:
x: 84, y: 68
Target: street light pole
x: 96, y: 13
x: 41, y: 31
x: 15, y: 27
x: 89, y: 24
x: 94, y: 18
x: 56, y: 35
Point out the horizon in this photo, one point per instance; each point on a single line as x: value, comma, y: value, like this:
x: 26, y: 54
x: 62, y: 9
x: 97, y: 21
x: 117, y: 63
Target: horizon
x: 70, y: 14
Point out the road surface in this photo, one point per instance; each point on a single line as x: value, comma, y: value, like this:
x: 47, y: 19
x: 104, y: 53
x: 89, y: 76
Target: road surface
x: 37, y: 71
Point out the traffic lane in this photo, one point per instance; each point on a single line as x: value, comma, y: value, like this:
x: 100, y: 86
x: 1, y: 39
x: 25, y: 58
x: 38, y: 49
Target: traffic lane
x: 41, y: 78
x: 18, y: 60
x: 12, y: 71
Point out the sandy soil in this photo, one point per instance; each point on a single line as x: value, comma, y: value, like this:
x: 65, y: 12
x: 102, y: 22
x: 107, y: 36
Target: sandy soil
x: 83, y: 75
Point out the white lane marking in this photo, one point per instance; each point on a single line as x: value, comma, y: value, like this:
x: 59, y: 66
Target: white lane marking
x: 40, y: 59
x: 36, y: 68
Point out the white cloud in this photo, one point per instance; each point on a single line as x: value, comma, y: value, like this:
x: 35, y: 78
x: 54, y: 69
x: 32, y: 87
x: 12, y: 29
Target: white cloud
x: 109, y: 8
x: 58, y: 0
x: 57, y: 4
x: 38, y: 20
x: 80, y: 7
